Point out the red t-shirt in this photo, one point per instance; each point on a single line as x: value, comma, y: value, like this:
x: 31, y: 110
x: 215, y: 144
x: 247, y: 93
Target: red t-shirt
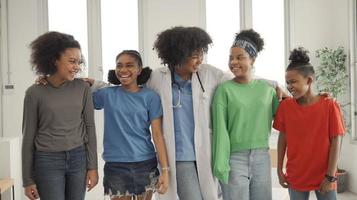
x: 308, y: 130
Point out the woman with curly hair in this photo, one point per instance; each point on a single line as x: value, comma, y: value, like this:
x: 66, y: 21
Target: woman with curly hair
x: 186, y: 86
x: 59, y: 151
x: 242, y: 110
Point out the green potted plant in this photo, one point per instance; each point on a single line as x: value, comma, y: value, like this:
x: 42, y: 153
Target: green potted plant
x: 332, y: 76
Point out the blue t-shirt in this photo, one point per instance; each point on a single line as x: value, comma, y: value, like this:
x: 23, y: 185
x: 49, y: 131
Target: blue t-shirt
x: 184, y: 123
x: 127, y: 118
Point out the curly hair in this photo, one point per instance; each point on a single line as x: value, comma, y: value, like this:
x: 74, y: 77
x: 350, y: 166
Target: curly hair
x: 47, y: 48
x: 251, y: 36
x: 300, y: 61
x: 176, y: 44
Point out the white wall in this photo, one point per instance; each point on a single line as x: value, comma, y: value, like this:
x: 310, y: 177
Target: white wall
x: 316, y: 24
x: 22, y: 29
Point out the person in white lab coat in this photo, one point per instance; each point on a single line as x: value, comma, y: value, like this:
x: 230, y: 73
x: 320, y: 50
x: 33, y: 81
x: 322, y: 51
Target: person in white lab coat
x: 186, y: 86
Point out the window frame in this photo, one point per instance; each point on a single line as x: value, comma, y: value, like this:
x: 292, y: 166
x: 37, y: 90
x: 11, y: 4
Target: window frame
x: 353, y: 68
x: 4, y: 57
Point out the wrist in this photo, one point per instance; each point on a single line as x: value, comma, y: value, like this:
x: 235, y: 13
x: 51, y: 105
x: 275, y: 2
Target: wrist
x: 330, y: 179
x: 165, y: 169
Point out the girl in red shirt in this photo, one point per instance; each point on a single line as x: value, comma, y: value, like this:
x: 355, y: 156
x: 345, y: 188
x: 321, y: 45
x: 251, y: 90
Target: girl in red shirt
x: 310, y: 129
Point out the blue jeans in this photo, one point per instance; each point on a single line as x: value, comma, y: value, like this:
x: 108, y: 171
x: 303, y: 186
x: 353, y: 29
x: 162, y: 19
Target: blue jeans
x: 61, y: 175
x: 249, y: 177
x: 188, y: 186
x: 298, y: 195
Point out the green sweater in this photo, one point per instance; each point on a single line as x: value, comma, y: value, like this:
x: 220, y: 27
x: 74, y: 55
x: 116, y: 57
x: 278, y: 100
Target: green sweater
x: 242, y: 115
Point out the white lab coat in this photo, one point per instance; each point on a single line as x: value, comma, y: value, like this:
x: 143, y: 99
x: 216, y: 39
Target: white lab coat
x: 160, y: 81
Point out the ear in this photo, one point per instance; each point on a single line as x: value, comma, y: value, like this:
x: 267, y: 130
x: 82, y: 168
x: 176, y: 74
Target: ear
x: 55, y: 62
x: 252, y: 60
x: 310, y: 79
x: 140, y: 70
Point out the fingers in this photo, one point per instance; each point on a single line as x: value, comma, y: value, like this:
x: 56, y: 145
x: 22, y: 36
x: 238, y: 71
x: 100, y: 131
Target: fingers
x: 322, y: 191
x: 31, y: 192
x: 324, y: 187
x: 91, y: 183
x: 161, y: 186
x: 89, y: 80
x: 280, y: 96
x: 282, y: 181
x: 30, y: 196
x: 41, y: 80
x: 92, y: 179
x: 284, y: 184
x: 35, y: 193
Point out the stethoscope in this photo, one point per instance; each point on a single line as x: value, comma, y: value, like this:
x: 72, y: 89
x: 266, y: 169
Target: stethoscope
x: 174, y: 83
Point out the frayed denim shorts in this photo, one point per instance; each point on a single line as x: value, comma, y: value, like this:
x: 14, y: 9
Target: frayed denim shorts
x: 130, y: 178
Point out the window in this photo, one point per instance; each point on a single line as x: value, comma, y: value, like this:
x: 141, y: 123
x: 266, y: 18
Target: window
x: 120, y: 30
x: 270, y: 63
x: 70, y: 17
x: 223, y: 22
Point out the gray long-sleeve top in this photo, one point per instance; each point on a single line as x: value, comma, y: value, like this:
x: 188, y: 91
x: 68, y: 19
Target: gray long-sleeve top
x: 57, y: 119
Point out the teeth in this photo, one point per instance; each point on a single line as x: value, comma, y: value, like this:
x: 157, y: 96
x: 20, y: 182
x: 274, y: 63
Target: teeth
x: 124, y: 76
x: 235, y: 68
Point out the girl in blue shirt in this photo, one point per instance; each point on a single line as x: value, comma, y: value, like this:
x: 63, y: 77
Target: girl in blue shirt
x: 129, y: 111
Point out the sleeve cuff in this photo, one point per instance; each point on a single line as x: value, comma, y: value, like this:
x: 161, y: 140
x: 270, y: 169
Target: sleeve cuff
x: 223, y: 176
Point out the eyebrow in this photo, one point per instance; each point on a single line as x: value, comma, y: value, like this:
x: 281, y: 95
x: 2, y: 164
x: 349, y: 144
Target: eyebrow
x: 125, y: 63
x: 240, y: 54
x: 74, y: 58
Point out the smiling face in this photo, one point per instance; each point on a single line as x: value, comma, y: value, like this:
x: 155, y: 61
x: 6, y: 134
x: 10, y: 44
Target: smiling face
x: 240, y: 63
x: 192, y: 62
x: 68, y: 64
x: 297, y: 84
x: 127, y: 70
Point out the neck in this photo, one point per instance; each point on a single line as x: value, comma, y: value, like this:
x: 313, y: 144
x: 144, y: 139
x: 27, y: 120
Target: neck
x: 309, y: 98
x: 55, y: 80
x: 131, y: 87
x: 243, y: 80
x: 183, y: 73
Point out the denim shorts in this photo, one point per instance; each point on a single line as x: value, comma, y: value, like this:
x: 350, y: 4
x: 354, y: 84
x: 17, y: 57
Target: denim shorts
x: 130, y: 178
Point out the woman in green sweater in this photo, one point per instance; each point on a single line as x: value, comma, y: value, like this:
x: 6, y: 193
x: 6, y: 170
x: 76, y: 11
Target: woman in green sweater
x: 242, y: 110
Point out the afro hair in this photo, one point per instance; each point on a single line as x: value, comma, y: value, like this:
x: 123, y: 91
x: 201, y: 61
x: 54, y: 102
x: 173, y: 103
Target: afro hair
x: 175, y: 45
